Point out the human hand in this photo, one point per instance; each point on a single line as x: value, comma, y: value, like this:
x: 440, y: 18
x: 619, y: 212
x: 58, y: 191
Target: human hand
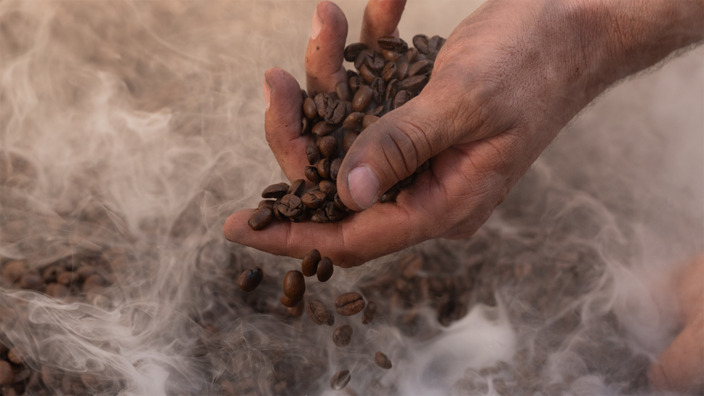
x: 507, y: 80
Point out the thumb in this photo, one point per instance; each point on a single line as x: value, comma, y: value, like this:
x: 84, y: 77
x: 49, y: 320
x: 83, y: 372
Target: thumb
x: 392, y: 149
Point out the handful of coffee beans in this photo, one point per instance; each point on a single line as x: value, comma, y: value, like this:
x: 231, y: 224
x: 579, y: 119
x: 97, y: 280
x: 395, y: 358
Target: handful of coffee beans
x: 381, y: 82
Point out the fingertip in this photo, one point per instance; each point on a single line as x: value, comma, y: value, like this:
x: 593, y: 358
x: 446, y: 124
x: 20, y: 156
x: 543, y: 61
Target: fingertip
x: 234, y: 226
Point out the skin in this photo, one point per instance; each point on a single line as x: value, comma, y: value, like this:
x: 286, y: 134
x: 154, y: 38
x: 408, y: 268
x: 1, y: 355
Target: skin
x: 509, y: 78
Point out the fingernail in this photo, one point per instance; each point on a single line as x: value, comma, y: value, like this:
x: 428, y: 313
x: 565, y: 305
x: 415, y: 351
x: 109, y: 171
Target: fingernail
x: 317, y: 24
x: 267, y: 93
x: 364, y: 186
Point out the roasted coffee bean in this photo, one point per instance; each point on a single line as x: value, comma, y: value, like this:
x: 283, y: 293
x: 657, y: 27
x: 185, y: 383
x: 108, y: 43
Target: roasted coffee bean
x: 7, y: 376
x: 297, y: 187
x: 296, y: 310
x: 435, y: 44
x: 261, y: 218
x: 369, y: 313
x: 390, y: 71
x: 31, y: 281
x: 391, y: 90
x: 13, y: 270
x: 318, y: 313
x: 57, y: 290
x: 362, y: 98
x: 277, y: 190
x: 332, y: 212
x: 338, y: 203
x: 14, y: 356
x: 290, y: 206
x: 337, y: 113
x: 343, y: 91
x: 87, y: 270
x: 354, y: 83
x: 322, y: 128
x: 367, y: 74
x: 312, y: 153
x: 328, y: 187
x: 269, y: 203
x: 325, y: 269
x: 375, y: 61
x: 67, y: 278
x: 319, y: 216
x: 349, y: 304
x: 378, y: 86
x: 313, y: 199
x: 340, y: 379
x: 420, y: 41
x: 353, y: 122
x: 349, y: 139
x: 327, y: 146
x: 310, y: 110
x: 290, y: 302
x: 51, y: 273
x: 369, y: 119
x: 390, y: 56
x: 306, y: 125
x: 403, y: 69
x: 361, y: 58
x: 414, y: 84
x: 392, y: 43
x: 309, y: 265
x: 311, y: 173
x: 422, y: 67
x: 401, y: 98
x: 352, y: 51
x: 323, y: 167
x: 335, y: 168
x: 249, y: 279
x: 294, y: 284
x: 342, y: 335
x: 382, y: 360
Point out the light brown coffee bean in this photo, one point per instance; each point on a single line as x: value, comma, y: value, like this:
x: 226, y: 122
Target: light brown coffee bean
x: 401, y: 98
x: 318, y: 313
x: 294, y: 284
x: 309, y: 264
x: 296, y: 310
x: 14, y: 356
x: 414, y: 84
x: 67, y: 278
x: 93, y: 282
x: 276, y: 190
x: 340, y: 379
x: 13, y: 270
x: 367, y: 74
x: 349, y: 304
x: 323, y: 167
x: 325, y: 269
x: 322, y: 128
x: 362, y: 98
x: 261, y: 218
x: 369, y: 312
x: 349, y: 139
x: 342, y: 335
x: 390, y: 71
x: 368, y: 120
x: 382, y: 360
x: 335, y: 168
x: 310, y: 110
x: 327, y: 146
x: 249, y: 279
x: 327, y: 187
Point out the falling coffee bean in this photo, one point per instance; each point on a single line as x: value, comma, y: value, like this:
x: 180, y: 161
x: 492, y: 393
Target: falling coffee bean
x: 249, y: 279
x: 309, y: 265
x: 325, y: 269
x: 318, y: 313
x: 349, y: 304
x: 382, y: 360
x: 294, y: 284
x: 340, y: 379
x: 342, y: 335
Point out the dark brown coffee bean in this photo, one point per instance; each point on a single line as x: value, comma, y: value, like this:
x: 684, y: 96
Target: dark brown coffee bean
x: 309, y: 264
x: 13, y: 270
x: 422, y: 67
x: 361, y: 58
x: 414, y: 84
x: 354, y: 83
x: 14, y: 356
x: 390, y: 71
x: 343, y: 91
x: 337, y: 113
x: 277, y: 190
x: 290, y: 302
x: 311, y: 173
x: 325, y: 269
x: 342, y: 335
x: 392, y: 43
x: 335, y: 168
x: 318, y: 313
x: 327, y: 187
x: 312, y: 153
x: 67, y: 278
x: 375, y: 62
x: 290, y: 206
x: 349, y: 139
x: 382, y: 360
x: 313, y: 199
x: 338, y: 203
x: 7, y: 376
x: 51, y: 273
x: 391, y: 89
x: 306, y: 125
x: 261, y: 218
x: 340, y: 379
x: 402, y: 67
x: 269, y: 203
x: 390, y: 56
x: 349, y: 304
x: 362, y: 98
x: 57, y: 290
x: 332, y: 212
x: 420, y: 41
x: 353, y: 122
x: 294, y: 284
x: 378, y: 86
x: 31, y: 281
x: 310, y: 110
x: 401, y: 98
x: 368, y: 120
x: 435, y: 44
x: 87, y: 270
x: 352, y: 51
x: 369, y: 313
x: 327, y: 146
x: 297, y: 187
x: 322, y: 128
x: 367, y: 74
x: 249, y: 279
x: 323, y: 167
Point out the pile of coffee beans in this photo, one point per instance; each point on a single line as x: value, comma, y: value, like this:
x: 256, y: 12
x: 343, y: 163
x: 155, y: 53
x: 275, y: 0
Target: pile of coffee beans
x: 382, y: 81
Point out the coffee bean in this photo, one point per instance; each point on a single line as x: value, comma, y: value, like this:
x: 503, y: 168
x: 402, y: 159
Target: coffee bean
x: 277, y: 190
x: 313, y: 199
x: 312, y: 153
x: 367, y: 74
x: 327, y: 187
x: 14, y: 356
x: 401, y: 98
x: 343, y: 91
x: 414, y: 84
x: 369, y: 313
x: 294, y: 284
x: 390, y: 56
x: 306, y: 125
x: 338, y: 203
x: 319, y: 216
x: 249, y: 279
x: 310, y: 110
x: 296, y: 310
x: 67, y: 278
x: 322, y: 128
x: 7, y: 376
x: 392, y: 43
x: 290, y: 206
x: 327, y: 146
x: 349, y: 304
x: 352, y: 51
x: 297, y: 187
x: 269, y: 203
x: 342, y: 335
x: 290, y: 302
x: 325, y: 269
x: 349, y: 139
x: 375, y: 61
x: 13, y: 270
x: 261, y: 218
x: 318, y: 313
x: 51, y: 273
x: 378, y: 86
x: 435, y: 44
x: 332, y: 212
x: 362, y: 98
x: 389, y: 72
x: 57, y: 290
x: 422, y: 67
x: 420, y: 41
x: 354, y: 83
x: 337, y: 113
x: 361, y: 58
x: 382, y: 360
x: 369, y: 119
x: 335, y: 168
x: 353, y: 121
x: 309, y: 265
x: 31, y: 281
x: 87, y: 270
x: 311, y: 173
x: 340, y: 379
x: 323, y: 167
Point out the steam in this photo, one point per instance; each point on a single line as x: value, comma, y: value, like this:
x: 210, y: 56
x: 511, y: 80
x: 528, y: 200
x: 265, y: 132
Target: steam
x: 130, y: 130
